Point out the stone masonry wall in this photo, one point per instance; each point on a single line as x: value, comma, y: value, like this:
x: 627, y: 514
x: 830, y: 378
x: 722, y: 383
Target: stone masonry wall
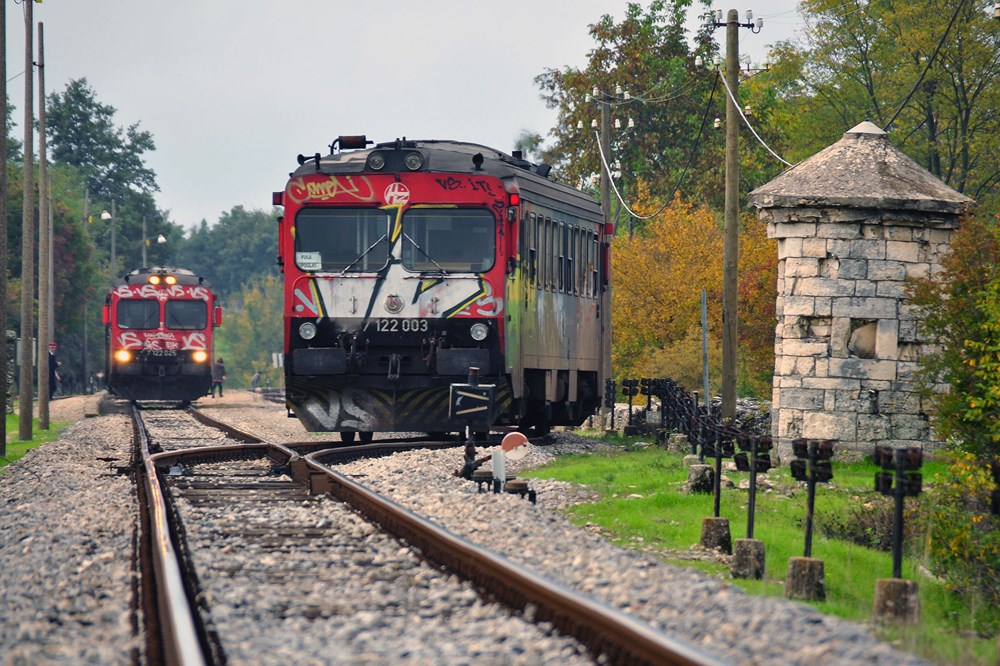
x: 847, y: 343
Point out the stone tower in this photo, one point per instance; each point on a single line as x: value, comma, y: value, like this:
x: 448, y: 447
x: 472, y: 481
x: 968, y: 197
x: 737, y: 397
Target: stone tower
x: 853, y: 223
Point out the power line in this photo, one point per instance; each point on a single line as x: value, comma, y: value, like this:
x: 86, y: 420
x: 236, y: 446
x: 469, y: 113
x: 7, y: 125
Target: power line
x: 736, y: 104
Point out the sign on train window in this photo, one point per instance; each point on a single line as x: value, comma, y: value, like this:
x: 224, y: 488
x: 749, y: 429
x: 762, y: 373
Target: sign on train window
x: 342, y: 239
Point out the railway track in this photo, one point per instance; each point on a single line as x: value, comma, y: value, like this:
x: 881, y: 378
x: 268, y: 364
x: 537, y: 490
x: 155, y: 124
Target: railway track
x: 261, y: 515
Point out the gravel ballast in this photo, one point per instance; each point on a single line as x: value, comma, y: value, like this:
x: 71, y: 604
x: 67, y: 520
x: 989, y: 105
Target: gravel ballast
x: 66, y: 530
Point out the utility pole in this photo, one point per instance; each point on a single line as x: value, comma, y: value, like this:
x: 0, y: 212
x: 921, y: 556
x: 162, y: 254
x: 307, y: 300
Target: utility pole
x: 144, y: 242
x: 730, y: 258
x: 44, y: 250
x: 606, y: 369
x: 25, y: 407
x: 4, y: 259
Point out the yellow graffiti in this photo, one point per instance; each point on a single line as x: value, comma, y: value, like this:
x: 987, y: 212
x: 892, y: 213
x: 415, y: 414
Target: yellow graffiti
x: 397, y: 226
x: 358, y: 188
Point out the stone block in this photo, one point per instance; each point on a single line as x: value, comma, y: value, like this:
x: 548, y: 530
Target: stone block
x: 886, y: 270
x: 910, y: 426
x: 863, y: 368
x: 798, y: 305
x: 805, y: 579
x: 838, y: 230
x: 865, y: 288
x: 887, y: 339
x: 748, y: 559
x: 813, y: 247
x: 874, y: 428
x: 823, y: 306
x: 852, y: 269
x: 899, y: 233
x: 817, y: 286
x: 793, y: 347
x: 789, y: 247
x: 865, y: 308
x: 901, y: 251
x: 867, y: 249
x: 715, y: 535
x: 830, y: 425
x: 891, y: 289
x: 795, y: 230
x: 801, y: 267
x: 918, y: 271
x: 804, y: 399
x: 840, y: 334
x: 789, y: 424
x: 832, y: 383
x: 896, y: 600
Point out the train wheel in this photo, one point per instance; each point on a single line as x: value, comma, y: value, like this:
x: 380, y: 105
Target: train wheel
x: 366, y: 437
x: 347, y: 437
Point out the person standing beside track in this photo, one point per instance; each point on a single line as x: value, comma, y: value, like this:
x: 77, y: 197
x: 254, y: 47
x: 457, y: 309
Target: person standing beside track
x: 218, y: 376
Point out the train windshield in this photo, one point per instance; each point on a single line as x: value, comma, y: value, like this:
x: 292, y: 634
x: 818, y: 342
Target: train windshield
x: 342, y: 239
x: 139, y: 314
x: 185, y: 315
x: 449, y: 239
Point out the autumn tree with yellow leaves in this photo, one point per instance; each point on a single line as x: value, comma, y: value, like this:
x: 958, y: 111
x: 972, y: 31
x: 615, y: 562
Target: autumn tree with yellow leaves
x: 659, y: 273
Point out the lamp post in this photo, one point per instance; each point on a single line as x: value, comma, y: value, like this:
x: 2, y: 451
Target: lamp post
x: 105, y: 215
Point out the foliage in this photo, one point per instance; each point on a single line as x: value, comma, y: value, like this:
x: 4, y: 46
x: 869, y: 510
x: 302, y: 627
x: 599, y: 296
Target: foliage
x: 82, y: 133
x: 927, y: 71
x: 648, y: 56
x: 240, y: 248
x: 965, y: 543
x: 962, y: 313
x: 252, y: 331
x: 659, y: 273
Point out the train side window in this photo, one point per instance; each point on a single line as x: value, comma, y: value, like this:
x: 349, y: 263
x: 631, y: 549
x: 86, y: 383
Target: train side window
x: 185, y: 315
x: 581, y: 263
x: 140, y: 315
x: 548, y: 253
x: 532, y: 236
x: 570, y: 259
x: 595, y: 265
x: 561, y: 266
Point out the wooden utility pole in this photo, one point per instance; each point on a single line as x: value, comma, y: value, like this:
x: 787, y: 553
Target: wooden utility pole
x: 44, y: 251
x: 4, y: 259
x: 730, y: 255
x: 25, y: 407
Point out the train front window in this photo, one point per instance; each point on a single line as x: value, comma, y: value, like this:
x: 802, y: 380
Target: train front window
x: 449, y: 240
x: 185, y: 315
x: 140, y: 315
x: 342, y: 239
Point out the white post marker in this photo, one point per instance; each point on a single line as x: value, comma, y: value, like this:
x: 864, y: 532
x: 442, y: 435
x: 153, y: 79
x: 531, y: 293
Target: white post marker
x: 499, y: 467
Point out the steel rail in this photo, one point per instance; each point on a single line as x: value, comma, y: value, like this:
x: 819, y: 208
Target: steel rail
x: 179, y: 635
x: 605, y: 630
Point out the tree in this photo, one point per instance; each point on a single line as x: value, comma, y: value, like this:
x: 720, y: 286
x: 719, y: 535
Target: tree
x: 82, y: 133
x: 252, y: 331
x: 928, y: 72
x: 962, y: 308
x: 241, y: 247
x: 669, y: 100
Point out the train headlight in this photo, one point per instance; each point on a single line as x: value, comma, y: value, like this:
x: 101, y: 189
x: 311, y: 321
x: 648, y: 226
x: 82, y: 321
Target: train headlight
x: 478, y: 331
x: 170, y: 279
x: 307, y: 331
x: 123, y: 356
x: 154, y: 279
x: 200, y: 356
x: 376, y: 161
x: 413, y: 161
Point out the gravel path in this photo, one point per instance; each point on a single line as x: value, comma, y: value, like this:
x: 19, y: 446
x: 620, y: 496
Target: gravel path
x: 66, y: 520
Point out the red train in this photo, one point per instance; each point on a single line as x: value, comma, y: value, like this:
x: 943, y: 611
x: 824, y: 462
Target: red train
x: 159, y: 325
x: 407, y: 263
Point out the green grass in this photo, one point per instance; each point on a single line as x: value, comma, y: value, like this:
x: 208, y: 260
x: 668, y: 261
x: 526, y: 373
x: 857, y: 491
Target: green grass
x: 642, y: 507
x: 17, y: 448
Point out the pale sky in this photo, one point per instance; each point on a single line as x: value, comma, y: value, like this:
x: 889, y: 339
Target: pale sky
x: 233, y: 90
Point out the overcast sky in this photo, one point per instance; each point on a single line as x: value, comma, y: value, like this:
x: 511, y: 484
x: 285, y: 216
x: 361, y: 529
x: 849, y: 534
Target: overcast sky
x: 233, y: 90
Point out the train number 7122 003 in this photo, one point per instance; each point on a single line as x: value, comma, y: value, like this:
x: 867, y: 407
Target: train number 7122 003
x: 386, y: 325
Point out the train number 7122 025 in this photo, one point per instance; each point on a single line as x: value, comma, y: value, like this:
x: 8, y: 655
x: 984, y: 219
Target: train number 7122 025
x: 387, y: 325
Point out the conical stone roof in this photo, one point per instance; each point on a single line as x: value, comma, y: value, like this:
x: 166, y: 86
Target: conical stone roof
x: 862, y: 170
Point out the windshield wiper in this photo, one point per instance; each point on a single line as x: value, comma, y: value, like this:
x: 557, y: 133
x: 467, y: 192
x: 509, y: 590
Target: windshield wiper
x: 424, y: 253
x: 363, y: 254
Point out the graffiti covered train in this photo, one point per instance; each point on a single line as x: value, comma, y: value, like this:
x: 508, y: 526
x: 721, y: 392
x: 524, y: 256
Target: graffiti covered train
x: 159, y: 325
x: 408, y: 263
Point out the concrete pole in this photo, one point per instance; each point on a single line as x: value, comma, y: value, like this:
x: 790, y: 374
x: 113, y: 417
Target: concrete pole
x: 44, y: 249
x: 25, y: 406
x: 730, y: 258
x: 4, y: 257
x: 606, y: 369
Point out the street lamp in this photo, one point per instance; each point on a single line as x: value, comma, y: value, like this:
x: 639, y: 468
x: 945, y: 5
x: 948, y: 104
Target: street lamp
x: 105, y: 215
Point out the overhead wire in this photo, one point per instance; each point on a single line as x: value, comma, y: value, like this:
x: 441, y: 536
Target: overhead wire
x: 736, y: 104
x: 680, y: 179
